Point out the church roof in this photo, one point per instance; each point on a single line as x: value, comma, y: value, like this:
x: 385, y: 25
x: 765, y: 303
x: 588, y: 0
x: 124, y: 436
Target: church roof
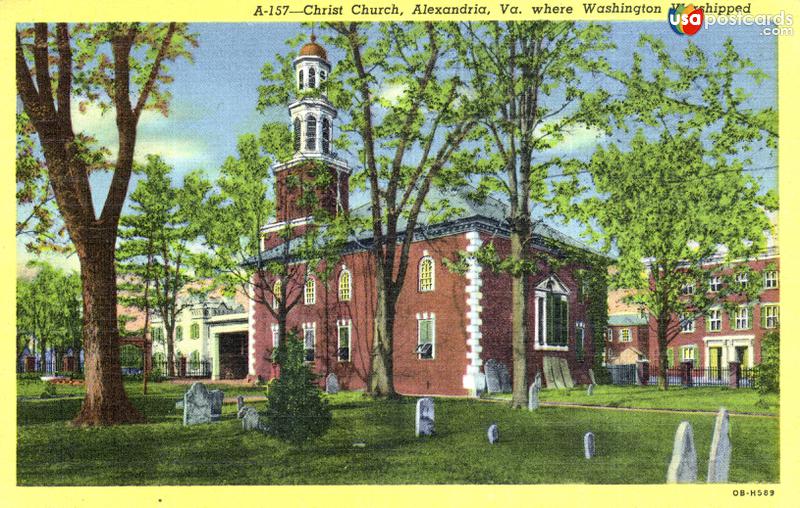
x: 450, y: 212
x: 314, y: 49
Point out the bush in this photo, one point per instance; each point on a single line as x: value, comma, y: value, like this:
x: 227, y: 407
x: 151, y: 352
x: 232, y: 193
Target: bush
x: 296, y: 410
x: 49, y: 391
x: 601, y: 373
x: 767, y: 375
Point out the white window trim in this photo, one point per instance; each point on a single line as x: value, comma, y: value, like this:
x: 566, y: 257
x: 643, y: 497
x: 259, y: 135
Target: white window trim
x: 687, y: 323
x: 687, y: 289
x: 767, y: 279
x: 313, y: 328
x: 426, y: 256
x: 742, y: 279
x: 777, y: 316
x: 622, y: 335
x: 313, y: 299
x: 349, y: 325
x: 350, y: 285
x: 562, y: 291
x: 709, y: 329
x: 749, y: 314
x: 690, y: 347
x: 580, y: 325
x: 425, y: 316
x: 275, y: 337
x: 715, y: 281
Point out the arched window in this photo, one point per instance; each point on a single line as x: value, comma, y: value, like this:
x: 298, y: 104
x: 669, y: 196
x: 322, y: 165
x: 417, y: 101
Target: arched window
x: 195, y: 331
x: 300, y: 79
x: 345, y: 288
x: 322, y: 76
x: 311, y: 133
x: 426, y: 274
x: 297, y: 124
x: 326, y: 135
x: 276, y: 293
x: 310, y: 296
x: 312, y: 78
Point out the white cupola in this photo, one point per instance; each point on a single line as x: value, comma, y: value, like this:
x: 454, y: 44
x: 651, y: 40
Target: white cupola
x: 312, y: 114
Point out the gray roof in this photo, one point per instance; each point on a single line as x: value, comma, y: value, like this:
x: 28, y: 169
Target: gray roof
x: 626, y: 320
x: 445, y: 213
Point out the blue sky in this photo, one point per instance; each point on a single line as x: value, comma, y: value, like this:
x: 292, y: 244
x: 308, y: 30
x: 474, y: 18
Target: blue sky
x: 214, y: 98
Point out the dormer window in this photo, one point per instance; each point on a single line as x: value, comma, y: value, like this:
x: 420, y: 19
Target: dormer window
x: 311, y: 133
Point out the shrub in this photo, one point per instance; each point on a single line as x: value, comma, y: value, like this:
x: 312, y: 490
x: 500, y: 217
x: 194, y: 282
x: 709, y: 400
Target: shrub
x: 767, y: 375
x: 49, y: 391
x: 601, y: 373
x: 296, y: 410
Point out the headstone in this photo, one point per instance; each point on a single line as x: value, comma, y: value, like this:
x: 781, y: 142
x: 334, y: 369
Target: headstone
x: 492, y: 371
x: 505, y: 378
x: 566, y: 375
x: 251, y: 420
x: 179, y: 404
x: 719, y: 460
x: 331, y: 384
x: 493, y: 434
x: 533, y: 397
x: 196, y: 405
x: 588, y: 445
x: 424, y: 419
x: 590, y: 390
x: 239, y: 403
x: 683, y: 466
x: 591, y: 376
x: 216, y: 397
x: 538, y: 380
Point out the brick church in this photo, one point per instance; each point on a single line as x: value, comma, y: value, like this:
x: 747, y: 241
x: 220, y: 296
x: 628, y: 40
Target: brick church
x: 448, y: 325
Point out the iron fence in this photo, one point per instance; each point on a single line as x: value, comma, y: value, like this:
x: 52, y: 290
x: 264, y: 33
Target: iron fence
x: 192, y: 369
x: 198, y: 369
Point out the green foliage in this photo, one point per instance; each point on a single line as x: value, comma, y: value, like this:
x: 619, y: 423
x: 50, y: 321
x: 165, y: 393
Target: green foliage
x: 296, y: 409
x: 48, y: 391
x: 767, y: 373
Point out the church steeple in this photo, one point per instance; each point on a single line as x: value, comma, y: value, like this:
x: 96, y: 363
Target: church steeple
x: 312, y: 122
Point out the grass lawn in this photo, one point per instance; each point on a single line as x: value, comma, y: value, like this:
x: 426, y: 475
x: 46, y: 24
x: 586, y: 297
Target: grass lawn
x: 745, y: 400
x: 545, y: 446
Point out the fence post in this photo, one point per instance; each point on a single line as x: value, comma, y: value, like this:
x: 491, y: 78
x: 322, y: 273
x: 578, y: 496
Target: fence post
x: 643, y: 368
x: 734, y: 374
x: 182, y: 368
x: 686, y: 373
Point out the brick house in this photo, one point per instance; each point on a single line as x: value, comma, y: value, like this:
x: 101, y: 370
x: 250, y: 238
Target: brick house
x: 627, y: 339
x: 721, y: 336
x: 448, y: 324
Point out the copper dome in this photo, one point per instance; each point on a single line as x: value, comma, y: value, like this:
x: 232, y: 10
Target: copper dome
x: 314, y: 49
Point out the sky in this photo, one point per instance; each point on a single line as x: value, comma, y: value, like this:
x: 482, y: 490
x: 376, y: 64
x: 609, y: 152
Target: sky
x: 214, y: 100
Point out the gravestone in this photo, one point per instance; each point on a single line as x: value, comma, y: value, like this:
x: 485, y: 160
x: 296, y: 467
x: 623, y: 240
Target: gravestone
x: 425, y: 417
x: 493, y: 434
x: 197, y: 405
x: 588, y: 445
x: 216, y: 397
x: 719, y: 460
x: 239, y: 403
x: 538, y: 380
x: 505, y: 378
x: 251, y: 420
x: 683, y: 466
x: 590, y: 390
x: 331, y: 384
x: 591, y: 376
x: 566, y: 375
x: 492, y: 371
x: 533, y: 397
x: 179, y: 404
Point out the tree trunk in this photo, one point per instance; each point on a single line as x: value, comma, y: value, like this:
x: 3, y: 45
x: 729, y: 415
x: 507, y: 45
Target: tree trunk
x: 381, y: 382
x: 519, y: 328
x: 43, y: 355
x: 662, y: 354
x: 170, y: 353
x: 105, y: 402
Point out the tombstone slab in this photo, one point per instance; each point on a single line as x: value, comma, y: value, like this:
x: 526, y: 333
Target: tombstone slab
x: 566, y: 375
x: 251, y: 420
x: 505, y: 378
x: 179, y: 404
x: 591, y: 376
x: 493, y: 434
x: 216, y: 397
x: 538, y: 380
x: 492, y: 371
x: 588, y: 445
x: 683, y: 466
x: 719, y: 459
x: 590, y: 390
x: 197, y: 405
x: 239, y: 403
x: 331, y: 384
x: 424, y: 417
x: 533, y: 397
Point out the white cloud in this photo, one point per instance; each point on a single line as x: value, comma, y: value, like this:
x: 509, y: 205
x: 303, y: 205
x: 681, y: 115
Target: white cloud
x: 391, y: 92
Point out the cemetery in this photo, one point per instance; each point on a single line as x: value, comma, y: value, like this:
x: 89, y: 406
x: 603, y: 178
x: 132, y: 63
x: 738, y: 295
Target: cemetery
x: 217, y: 434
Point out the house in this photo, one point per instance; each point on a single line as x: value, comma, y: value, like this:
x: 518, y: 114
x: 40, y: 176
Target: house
x: 448, y: 324
x: 732, y: 332
x: 627, y: 339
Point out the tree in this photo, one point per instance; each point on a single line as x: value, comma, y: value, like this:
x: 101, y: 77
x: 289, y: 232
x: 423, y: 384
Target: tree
x: 48, y: 308
x: 296, y: 410
x: 237, y: 256
x: 530, y: 79
x: 155, y: 255
x: 406, y: 145
x: 676, y: 201
x: 103, y: 64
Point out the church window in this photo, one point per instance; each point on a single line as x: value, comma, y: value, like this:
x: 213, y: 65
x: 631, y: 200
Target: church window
x: 426, y: 274
x: 312, y: 78
x: 344, y: 286
x: 297, y: 134
x: 326, y: 135
x: 311, y: 291
x: 300, y: 79
x: 276, y: 293
x: 311, y: 133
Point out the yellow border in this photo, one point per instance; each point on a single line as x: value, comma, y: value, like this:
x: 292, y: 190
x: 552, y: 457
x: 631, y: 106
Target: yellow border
x: 14, y: 11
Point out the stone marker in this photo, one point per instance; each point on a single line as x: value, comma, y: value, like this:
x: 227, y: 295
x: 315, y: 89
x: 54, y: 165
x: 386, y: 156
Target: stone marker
x: 683, y: 466
x: 216, y: 397
x: 179, y: 404
x: 251, y: 420
x: 492, y: 371
x: 493, y: 434
x: 591, y: 376
x: 239, y: 403
x: 424, y: 419
x: 331, y: 384
x: 719, y: 460
x: 533, y: 397
x: 590, y: 390
x: 566, y: 375
x: 588, y: 445
x: 196, y: 405
x: 538, y: 380
x: 505, y: 378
